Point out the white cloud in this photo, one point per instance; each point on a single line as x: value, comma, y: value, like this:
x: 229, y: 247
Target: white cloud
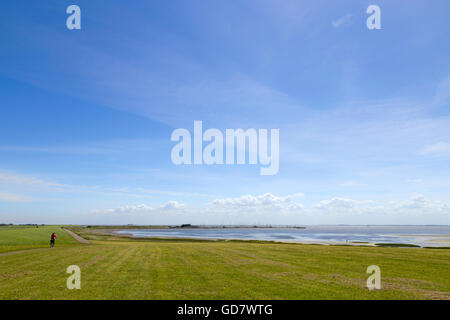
x: 336, y: 204
x: 342, y: 21
x: 115, y: 146
x: 172, y: 205
x: 442, y: 92
x: 417, y: 180
x: 270, y: 209
x: 19, y: 182
x: 168, y: 207
x: 351, y: 184
x: 261, y: 202
x: 13, y: 198
x: 436, y: 148
x: 171, y: 193
x: 130, y: 209
x: 420, y: 204
x: 7, y: 178
x: 295, y: 207
x: 233, y: 95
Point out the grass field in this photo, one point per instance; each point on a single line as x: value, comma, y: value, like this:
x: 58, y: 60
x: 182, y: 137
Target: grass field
x: 13, y: 238
x: 115, y: 268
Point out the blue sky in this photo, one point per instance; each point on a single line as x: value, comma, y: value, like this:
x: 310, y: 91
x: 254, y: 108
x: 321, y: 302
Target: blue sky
x: 87, y: 114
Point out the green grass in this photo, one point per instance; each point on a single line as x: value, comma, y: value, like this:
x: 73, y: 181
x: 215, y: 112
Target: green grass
x: 125, y: 269
x: 13, y: 238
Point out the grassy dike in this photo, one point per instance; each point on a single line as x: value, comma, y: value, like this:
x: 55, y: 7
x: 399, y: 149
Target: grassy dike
x: 14, y: 238
x: 122, y: 268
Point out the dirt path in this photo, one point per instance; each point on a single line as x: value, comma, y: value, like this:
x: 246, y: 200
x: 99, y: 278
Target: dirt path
x: 77, y: 237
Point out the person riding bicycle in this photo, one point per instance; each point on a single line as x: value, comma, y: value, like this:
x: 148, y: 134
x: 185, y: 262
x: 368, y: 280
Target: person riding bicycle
x: 52, y: 240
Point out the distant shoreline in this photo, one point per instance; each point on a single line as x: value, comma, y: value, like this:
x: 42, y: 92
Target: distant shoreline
x: 189, y: 226
x: 306, y: 235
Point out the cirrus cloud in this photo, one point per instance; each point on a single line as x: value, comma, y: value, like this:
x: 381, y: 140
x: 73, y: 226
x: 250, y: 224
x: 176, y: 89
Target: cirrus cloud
x: 342, y: 21
x: 436, y: 148
x: 8, y: 197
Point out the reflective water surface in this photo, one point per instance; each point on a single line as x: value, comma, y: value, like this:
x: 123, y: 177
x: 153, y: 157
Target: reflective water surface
x: 419, y: 235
